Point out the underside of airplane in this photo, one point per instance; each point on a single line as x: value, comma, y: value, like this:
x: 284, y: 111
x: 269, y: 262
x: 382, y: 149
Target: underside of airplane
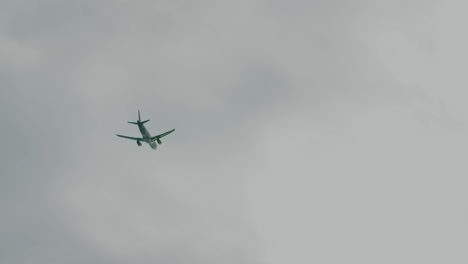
x: 146, y: 137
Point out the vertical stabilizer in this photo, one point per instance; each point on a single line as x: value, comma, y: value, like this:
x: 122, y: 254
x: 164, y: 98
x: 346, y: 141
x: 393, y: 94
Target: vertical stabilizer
x: 139, y: 119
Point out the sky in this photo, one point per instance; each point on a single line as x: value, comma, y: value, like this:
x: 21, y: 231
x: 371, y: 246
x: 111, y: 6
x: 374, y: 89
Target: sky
x: 306, y: 132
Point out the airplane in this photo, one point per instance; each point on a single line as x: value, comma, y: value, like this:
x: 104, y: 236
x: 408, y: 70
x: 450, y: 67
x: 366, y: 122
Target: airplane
x: 146, y: 136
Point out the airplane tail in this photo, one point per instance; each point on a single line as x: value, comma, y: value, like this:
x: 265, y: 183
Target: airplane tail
x: 139, y: 120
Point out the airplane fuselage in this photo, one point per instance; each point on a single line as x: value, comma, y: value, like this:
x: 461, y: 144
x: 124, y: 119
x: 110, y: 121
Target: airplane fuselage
x: 146, y: 136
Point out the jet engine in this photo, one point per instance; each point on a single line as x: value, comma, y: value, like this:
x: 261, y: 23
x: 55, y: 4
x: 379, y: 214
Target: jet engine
x: 159, y: 141
x: 139, y: 143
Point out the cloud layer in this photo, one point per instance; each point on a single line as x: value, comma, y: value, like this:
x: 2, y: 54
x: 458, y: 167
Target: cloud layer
x: 307, y: 131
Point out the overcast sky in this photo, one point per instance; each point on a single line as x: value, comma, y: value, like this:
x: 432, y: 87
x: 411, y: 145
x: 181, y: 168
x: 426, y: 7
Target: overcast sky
x: 324, y: 131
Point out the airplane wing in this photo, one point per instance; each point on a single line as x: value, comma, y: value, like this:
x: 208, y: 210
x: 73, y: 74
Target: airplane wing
x: 163, y: 134
x: 140, y: 139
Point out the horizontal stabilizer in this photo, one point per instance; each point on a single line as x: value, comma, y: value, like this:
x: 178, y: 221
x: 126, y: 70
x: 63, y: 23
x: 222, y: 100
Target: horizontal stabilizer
x: 145, y: 121
x: 133, y: 123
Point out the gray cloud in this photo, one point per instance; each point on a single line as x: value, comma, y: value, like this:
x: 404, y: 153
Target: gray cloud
x: 323, y: 131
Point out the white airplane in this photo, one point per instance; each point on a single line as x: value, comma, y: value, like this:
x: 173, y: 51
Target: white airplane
x: 146, y: 136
